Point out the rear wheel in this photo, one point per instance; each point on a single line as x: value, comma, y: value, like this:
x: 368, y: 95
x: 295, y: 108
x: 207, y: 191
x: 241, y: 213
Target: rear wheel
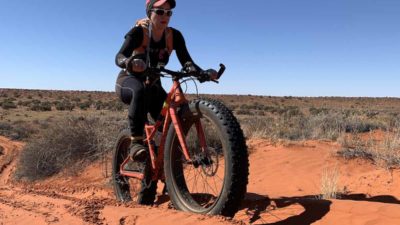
x: 128, y: 188
x: 212, y: 182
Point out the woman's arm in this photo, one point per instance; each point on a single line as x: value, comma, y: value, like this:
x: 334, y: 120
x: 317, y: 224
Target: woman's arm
x: 181, y: 50
x: 133, y: 39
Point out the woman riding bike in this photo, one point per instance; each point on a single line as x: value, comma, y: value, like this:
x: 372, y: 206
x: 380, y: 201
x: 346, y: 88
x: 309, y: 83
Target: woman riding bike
x: 148, y: 44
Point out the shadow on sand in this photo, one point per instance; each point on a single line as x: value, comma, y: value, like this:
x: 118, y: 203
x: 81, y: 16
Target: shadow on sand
x: 314, y: 207
x: 363, y: 197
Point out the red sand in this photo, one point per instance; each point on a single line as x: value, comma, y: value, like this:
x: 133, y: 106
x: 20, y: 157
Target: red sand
x: 284, y: 183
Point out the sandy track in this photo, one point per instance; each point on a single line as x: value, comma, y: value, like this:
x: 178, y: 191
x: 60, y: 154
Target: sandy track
x: 283, y: 189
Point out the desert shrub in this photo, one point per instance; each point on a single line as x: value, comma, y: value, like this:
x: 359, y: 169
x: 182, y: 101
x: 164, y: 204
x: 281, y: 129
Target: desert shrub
x: 244, y: 112
x: 17, y: 131
x: 84, y: 105
x: 290, y: 123
x: 99, y: 105
x: 260, y: 113
x: 325, y: 126
x: 354, y: 147
x: 385, y: 152
x: 17, y: 94
x: 42, y: 124
x: 7, y: 104
x: 291, y: 111
x: 40, y: 106
x: 232, y: 107
x: 64, y: 105
x: 293, y: 127
x: 68, y: 144
x: 116, y: 106
x: 257, y: 127
x: 271, y: 109
x: 257, y: 106
x: 360, y: 125
x: 76, y: 99
x: 4, y: 127
x: 22, y: 131
x: 371, y: 114
x: 26, y: 103
x: 315, y: 111
x: 244, y: 106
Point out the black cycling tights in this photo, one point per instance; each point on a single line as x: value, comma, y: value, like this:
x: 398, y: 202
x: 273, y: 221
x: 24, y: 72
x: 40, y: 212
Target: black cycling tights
x: 141, y: 99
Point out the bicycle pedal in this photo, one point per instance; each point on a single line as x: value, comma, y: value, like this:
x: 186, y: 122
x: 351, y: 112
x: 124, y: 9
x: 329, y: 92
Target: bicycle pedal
x: 135, y: 166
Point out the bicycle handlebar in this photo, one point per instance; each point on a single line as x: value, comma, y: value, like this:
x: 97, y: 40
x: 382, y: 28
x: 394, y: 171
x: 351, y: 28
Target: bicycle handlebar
x: 202, y: 76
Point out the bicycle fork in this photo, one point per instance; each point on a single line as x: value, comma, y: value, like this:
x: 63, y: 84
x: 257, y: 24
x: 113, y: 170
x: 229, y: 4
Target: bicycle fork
x: 181, y: 135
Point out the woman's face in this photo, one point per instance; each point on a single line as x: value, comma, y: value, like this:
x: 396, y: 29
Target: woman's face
x: 160, y: 21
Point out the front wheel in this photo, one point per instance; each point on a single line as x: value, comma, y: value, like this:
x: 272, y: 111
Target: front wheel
x: 212, y: 181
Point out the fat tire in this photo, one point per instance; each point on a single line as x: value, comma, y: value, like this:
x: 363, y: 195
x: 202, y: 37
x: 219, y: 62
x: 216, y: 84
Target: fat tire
x: 236, y: 165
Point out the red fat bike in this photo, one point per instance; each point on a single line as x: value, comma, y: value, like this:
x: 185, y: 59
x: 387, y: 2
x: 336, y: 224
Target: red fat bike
x: 201, y: 156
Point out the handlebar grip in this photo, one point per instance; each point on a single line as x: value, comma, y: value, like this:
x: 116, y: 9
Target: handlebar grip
x: 221, y: 70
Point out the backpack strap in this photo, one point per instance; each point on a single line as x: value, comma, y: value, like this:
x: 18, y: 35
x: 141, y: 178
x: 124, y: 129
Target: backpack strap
x: 145, y: 42
x: 144, y: 48
x: 169, y: 40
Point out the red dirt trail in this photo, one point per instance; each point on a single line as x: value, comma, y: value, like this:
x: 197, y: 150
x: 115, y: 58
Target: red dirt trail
x: 284, y: 188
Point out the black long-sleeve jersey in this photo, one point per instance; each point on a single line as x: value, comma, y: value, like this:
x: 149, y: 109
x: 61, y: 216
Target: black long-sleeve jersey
x: 158, y: 53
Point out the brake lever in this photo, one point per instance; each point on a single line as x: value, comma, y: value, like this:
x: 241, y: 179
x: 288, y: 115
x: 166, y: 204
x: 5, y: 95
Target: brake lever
x: 221, y: 70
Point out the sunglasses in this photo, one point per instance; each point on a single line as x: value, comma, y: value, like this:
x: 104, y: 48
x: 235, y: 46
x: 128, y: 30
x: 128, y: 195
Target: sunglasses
x: 161, y: 12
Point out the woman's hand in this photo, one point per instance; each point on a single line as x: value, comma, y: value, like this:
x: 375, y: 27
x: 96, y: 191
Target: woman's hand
x: 212, y: 74
x: 145, y: 22
x: 135, y: 65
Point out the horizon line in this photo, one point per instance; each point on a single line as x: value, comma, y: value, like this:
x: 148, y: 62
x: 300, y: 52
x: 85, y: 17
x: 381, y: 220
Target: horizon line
x: 249, y: 94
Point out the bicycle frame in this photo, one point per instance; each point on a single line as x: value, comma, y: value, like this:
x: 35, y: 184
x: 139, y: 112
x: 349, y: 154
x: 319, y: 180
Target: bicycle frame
x: 168, y: 114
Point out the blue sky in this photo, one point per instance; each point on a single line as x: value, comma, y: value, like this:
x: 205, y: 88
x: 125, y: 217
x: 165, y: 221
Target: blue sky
x: 270, y: 47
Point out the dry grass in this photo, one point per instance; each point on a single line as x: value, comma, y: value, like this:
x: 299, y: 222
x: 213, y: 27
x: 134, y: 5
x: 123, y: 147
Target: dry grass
x: 388, y: 152
x: 70, y: 143
x: 275, y: 118
x: 329, y: 183
x: 384, y: 152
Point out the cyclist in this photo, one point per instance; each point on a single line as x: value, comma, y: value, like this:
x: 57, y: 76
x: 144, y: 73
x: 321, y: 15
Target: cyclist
x: 148, y: 44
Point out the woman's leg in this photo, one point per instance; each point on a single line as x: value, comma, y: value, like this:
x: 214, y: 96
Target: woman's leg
x: 132, y: 92
x: 155, y: 97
